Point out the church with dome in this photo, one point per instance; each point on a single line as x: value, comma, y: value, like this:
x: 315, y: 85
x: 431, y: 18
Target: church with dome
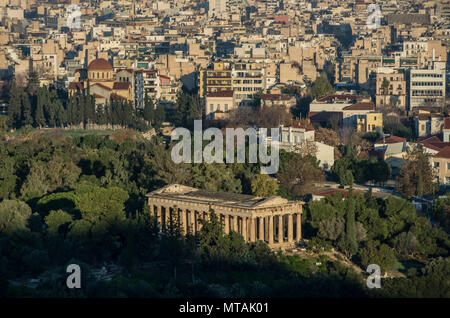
x: 104, y: 84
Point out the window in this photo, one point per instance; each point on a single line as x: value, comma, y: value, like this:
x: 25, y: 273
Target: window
x: 211, y: 108
x: 226, y: 107
x: 218, y: 106
x: 447, y: 180
x: 448, y: 166
x: 436, y: 164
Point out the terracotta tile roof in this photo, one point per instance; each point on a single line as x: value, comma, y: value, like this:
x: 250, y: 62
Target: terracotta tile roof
x: 438, y: 145
x: 100, y: 64
x: 444, y: 153
x: 428, y: 139
x: 102, y: 86
x: 360, y: 106
x: 121, y: 85
x: 75, y: 85
x: 221, y: 94
x: 390, y: 140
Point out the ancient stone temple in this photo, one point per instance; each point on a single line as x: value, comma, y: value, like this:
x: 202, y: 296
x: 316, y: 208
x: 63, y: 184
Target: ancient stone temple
x: 274, y: 220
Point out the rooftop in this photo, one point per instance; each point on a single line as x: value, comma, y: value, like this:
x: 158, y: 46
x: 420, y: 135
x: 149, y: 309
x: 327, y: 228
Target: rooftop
x: 390, y: 140
x: 185, y: 193
x: 100, y: 65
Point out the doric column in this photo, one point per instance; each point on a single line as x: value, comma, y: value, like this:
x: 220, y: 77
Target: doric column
x: 183, y: 222
x: 226, y: 223
x: 244, y: 228
x: 290, y: 228
x: 152, y: 209
x: 252, y: 230
x: 159, y: 214
x: 235, y: 224
x: 200, y: 216
x: 270, y: 230
x: 299, y: 227
x: 191, y: 222
x: 166, y: 216
x: 261, y: 228
x: 280, y: 229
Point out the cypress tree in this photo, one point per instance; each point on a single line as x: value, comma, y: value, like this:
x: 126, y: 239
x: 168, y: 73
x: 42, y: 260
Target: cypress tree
x: 39, y: 117
x: 14, y: 109
x: 420, y: 186
x: 149, y: 109
x: 27, y: 119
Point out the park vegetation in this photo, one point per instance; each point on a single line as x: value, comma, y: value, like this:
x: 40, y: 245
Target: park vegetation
x: 82, y: 200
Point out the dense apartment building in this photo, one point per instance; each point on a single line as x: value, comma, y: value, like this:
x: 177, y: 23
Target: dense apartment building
x: 427, y: 87
x: 216, y: 79
x: 391, y: 88
x: 249, y: 78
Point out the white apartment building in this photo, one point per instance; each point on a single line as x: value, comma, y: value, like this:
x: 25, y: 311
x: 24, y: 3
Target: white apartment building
x: 249, y: 78
x: 427, y: 87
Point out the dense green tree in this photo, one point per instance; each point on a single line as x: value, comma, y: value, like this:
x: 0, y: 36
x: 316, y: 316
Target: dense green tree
x: 27, y: 119
x: 416, y: 167
x: 149, y: 109
x: 14, y: 216
x: 264, y: 186
x: 56, y: 219
x: 321, y: 88
x: 378, y: 253
x: 350, y: 227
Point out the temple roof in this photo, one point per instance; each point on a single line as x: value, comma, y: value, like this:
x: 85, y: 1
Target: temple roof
x: 182, y: 192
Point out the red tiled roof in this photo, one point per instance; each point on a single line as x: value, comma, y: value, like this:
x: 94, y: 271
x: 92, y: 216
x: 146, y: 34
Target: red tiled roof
x: 100, y: 64
x: 444, y: 153
x: 390, y: 140
x: 121, y: 85
x: 221, y: 94
x: 102, y: 86
x: 438, y: 145
x: 360, y: 106
x: 75, y: 85
x: 428, y: 139
x: 430, y: 146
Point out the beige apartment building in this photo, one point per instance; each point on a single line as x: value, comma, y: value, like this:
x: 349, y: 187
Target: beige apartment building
x: 393, y: 91
x: 249, y: 78
x: 441, y: 164
x: 218, y: 104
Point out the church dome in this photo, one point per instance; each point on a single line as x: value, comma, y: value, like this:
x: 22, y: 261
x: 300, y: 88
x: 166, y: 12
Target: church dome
x: 100, y: 65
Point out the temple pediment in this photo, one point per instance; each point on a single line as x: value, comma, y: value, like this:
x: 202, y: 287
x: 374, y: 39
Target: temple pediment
x: 275, y: 200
